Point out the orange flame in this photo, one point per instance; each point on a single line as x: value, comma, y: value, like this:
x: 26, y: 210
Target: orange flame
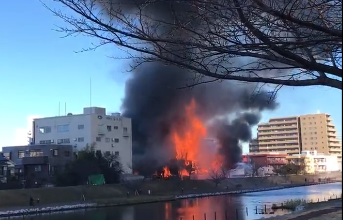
x: 187, y: 144
x: 166, y: 172
x: 188, y: 141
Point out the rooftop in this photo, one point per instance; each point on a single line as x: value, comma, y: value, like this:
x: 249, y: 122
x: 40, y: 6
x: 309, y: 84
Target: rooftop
x: 86, y: 111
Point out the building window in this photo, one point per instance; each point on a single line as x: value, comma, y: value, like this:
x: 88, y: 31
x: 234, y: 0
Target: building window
x: 80, y: 139
x: 21, y: 154
x: 80, y: 127
x: 109, y: 128
x: 98, y: 139
x: 36, y: 153
x: 38, y: 168
x: 116, y: 140
x: 125, y: 129
x: 62, y: 128
x: 46, y: 141
x: 63, y: 141
x: 45, y: 129
x: 115, y: 127
x: 54, y: 152
x: 67, y: 153
x: 107, y: 140
x: 116, y: 153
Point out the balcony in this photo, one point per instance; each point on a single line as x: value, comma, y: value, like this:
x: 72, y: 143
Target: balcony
x: 333, y: 140
x: 278, y: 147
x: 277, y: 127
x: 335, y: 149
x: 334, y: 144
x: 330, y: 125
x: 276, y: 142
x: 332, y: 134
x: 285, y: 119
x: 277, y: 137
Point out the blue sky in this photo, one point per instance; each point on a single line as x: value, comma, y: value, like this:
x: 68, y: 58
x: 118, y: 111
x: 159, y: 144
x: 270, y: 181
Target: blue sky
x: 39, y: 69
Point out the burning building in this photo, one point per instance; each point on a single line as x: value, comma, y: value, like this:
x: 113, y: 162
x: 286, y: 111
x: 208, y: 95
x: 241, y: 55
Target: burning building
x: 169, y: 123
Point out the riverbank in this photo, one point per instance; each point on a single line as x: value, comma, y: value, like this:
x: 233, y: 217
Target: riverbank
x: 160, y: 188
x: 117, y: 201
x: 315, y: 211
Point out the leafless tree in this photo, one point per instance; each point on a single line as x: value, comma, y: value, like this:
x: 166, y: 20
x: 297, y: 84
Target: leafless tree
x: 292, y: 43
x: 218, y: 175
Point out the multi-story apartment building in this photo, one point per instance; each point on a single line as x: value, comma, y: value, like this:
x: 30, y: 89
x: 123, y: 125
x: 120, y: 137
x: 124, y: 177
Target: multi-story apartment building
x: 319, y: 133
x: 279, y: 135
x: 109, y: 133
x: 292, y: 135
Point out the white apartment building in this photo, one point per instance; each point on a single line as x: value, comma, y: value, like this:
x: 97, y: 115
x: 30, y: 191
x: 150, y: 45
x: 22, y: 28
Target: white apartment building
x: 110, y: 133
x: 321, y: 162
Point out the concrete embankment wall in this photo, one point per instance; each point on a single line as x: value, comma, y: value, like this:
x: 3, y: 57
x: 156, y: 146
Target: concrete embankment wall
x: 72, y: 195
x: 252, y: 182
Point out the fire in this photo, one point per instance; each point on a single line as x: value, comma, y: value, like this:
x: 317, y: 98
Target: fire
x: 187, y: 141
x: 187, y: 144
x: 217, y: 164
x: 166, y: 172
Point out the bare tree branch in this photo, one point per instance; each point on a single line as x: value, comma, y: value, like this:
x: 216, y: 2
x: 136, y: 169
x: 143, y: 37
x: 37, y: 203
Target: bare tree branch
x: 286, y: 43
x: 218, y: 175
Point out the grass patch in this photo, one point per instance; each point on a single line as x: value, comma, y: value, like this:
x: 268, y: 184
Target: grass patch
x: 290, y: 204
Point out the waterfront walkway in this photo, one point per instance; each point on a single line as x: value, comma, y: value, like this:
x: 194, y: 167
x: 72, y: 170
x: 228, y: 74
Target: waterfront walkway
x: 331, y: 216
x: 331, y: 210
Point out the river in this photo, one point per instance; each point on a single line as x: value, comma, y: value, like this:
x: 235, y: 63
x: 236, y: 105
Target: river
x: 215, y: 208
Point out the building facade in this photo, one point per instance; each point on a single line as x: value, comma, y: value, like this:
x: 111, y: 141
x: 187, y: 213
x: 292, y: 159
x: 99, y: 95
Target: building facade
x: 315, y: 162
x: 292, y: 135
x: 253, y: 146
x: 109, y: 133
x: 303, y: 160
x: 258, y: 160
x: 318, y: 134
x: 6, y: 169
x: 279, y: 135
x: 37, y: 164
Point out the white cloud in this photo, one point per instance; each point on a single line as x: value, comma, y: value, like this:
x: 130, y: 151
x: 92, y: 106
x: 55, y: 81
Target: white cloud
x: 22, y: 134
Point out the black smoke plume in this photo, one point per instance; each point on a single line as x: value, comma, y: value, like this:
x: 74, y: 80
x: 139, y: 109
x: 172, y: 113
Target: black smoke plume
x: 155, y: 104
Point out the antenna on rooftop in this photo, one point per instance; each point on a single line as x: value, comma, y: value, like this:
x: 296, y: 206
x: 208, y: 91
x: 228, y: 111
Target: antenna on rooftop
x: 90, y: 91
x: 59, y: 108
